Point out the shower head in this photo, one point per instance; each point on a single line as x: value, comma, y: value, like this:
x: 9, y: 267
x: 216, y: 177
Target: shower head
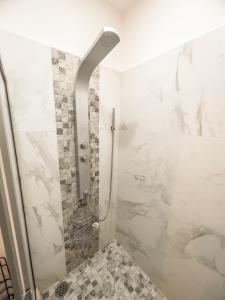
x: 104, y: 43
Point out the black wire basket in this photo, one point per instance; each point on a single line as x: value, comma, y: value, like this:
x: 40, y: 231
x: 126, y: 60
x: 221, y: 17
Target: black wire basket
x: 6, y: 289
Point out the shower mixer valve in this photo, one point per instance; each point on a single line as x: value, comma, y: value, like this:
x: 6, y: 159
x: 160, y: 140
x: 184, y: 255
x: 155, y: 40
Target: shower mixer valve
x: 84, y: 158
x: 83, y: 145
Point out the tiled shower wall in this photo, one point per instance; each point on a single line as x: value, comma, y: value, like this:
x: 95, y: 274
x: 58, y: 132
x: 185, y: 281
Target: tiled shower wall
x: 43, y: 119
x: 80, y: 241
x: 29, y: 75
x: 171, y: 196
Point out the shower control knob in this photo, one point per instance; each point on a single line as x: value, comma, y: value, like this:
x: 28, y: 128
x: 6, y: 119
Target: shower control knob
x: 85, y: 193
x: 84, y: 158
x: 83, y: 145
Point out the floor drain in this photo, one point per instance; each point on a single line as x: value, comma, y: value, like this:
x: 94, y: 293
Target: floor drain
x: 61, y: 289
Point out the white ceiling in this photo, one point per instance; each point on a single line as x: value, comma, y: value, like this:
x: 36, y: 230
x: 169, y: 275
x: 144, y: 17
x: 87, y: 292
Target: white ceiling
x: 121, y: 5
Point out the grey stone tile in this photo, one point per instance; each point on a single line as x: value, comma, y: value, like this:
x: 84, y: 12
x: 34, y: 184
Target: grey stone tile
x: 80, y: 242
x: 109, y: 274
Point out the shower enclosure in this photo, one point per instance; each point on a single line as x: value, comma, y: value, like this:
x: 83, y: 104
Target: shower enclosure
x: 51, y: 157
x: 167, y: 190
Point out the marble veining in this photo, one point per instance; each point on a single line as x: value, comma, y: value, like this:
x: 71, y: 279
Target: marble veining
x: 170, y: 215
x: 38, y: 167
x: 29, y: 74
x: 43, y: 120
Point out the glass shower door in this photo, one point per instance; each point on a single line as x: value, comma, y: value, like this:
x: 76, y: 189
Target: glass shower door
x: 12, y: 219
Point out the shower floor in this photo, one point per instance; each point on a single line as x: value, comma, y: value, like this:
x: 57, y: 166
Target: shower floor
x: 110, y: 274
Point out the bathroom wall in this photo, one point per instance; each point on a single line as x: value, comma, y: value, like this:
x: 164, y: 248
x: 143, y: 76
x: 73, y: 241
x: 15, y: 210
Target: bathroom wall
x: 41, y: 87
x: 67, y: 25
x: 104, y: 94
x: 170, y: 215
x: 29, y: 73
x: 80, y: 240
x: 152, y: 27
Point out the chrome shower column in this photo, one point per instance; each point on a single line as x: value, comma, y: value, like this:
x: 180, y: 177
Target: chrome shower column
x: 104, y: 43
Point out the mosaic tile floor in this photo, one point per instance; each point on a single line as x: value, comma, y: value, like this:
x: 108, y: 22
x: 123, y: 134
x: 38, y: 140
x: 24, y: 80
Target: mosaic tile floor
x: 110, y: 274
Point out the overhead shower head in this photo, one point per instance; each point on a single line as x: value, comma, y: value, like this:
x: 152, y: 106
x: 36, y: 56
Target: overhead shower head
x: 104, y: 43
x: 109, y: 38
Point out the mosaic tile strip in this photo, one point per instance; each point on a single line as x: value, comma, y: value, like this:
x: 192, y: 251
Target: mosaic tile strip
x: 80, y: 242
x: 110, y: 274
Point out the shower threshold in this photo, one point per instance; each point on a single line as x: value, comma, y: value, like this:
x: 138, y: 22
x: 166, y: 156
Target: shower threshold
x: 109, y: 274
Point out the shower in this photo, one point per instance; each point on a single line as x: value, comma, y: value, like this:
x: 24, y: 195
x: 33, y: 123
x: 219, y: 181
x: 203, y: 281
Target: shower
x: 112, y: 141
x: 103, y: 45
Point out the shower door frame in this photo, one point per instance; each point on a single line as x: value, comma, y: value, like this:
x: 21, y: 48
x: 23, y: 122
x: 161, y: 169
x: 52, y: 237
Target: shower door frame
x: 10, y: 243
x: 12, y: 217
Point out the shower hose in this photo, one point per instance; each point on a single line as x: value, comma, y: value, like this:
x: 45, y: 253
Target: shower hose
x: 102, y: 219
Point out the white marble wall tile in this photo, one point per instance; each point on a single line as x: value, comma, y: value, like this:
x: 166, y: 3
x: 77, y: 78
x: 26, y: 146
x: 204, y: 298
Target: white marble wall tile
x: 38, y: 165
x: 170, y: 218
x: 29, y: 74
x: 170, y: 213
x: 200, y: 85
x: 182, y: 90
x: 28, y: 69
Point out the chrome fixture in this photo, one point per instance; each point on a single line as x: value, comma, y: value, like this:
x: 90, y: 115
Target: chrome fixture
x: 84, y: 158
x: 104, y: 43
